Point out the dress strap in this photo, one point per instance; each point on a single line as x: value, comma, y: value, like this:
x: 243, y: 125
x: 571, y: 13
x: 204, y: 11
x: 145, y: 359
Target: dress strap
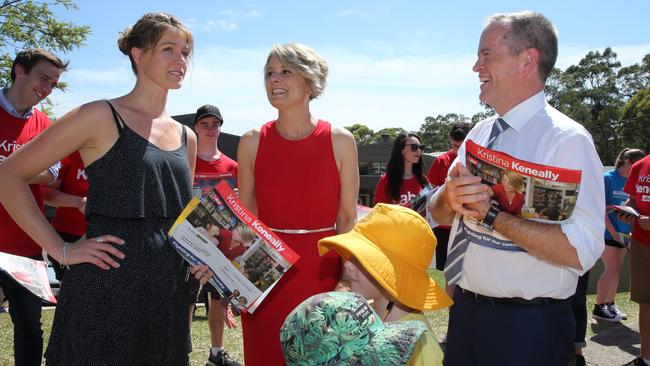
x: 119, y: 121
x: 184, y: 135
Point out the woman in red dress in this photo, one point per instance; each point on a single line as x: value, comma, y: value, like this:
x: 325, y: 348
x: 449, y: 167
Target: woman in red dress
x: 300, y: 176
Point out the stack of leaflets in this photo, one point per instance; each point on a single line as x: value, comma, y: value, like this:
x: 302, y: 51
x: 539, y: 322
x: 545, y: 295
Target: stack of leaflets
x: 246, y: 257
x: 29, y: 273
x: 529, y: 190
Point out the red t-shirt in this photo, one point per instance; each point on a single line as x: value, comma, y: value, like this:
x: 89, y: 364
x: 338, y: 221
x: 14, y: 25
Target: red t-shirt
x: 638, y: 187
x: 438, y: 171
x: 501, y: 196
x: 14, y: 133
x: 208, y: 174
x: 73, y: 181
x: 408, y: 190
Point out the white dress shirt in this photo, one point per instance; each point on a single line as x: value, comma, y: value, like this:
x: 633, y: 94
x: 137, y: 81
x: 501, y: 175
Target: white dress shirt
x: 540, y: 134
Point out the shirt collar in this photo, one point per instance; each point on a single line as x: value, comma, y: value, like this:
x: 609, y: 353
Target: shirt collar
x: 7, y: 106
x: 522, y: 113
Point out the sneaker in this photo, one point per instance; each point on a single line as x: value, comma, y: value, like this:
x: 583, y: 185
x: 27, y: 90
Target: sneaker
x: 602, y: 312
x: 221, y: 359
x: 580, y: 360
x: 636, y: 362
x: 615, y: 310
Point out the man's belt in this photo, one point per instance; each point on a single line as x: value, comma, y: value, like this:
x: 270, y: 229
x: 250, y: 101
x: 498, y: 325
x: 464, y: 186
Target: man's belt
x: 510, y: 300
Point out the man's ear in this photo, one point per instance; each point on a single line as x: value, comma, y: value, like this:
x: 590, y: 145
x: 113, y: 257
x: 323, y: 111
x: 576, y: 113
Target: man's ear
x: 19, y: 70
x: 530, y: 60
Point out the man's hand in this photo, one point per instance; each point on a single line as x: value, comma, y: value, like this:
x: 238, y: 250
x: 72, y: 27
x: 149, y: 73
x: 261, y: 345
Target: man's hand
x: 466, y: 194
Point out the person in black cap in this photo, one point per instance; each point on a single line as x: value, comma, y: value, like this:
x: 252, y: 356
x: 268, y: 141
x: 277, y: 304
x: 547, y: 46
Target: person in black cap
x: 212, y: 166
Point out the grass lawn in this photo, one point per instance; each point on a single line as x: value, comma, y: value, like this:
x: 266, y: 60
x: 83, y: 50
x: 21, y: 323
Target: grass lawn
x: 201, y: 335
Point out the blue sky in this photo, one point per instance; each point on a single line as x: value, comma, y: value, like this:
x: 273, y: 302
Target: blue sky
x: 392, y: 63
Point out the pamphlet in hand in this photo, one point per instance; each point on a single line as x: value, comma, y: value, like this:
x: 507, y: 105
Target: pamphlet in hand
x: 246, y: 257
x: 29, y: 273
x: 532, y: 191
x: 624, y: 210
x: 204, y: 183
x: 419, y: 202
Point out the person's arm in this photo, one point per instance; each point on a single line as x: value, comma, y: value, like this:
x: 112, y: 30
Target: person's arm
x: 53, y: 196
x: 576, y: 242
x: 46, y: 176
x: 611, y: 229
x: 71, y: 132
x: 345, y: 153
x: 643, y: 220
x: 246, y: 153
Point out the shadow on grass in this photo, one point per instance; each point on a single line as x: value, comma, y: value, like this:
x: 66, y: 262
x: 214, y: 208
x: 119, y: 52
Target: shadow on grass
x: 617, y: 335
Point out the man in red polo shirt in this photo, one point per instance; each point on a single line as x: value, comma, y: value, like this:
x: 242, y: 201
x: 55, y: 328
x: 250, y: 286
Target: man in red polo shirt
x: 34, y: 73
x: 638, y: 187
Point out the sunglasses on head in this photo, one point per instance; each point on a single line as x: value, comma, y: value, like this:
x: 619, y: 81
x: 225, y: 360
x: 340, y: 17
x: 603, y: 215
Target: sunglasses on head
x: 415, y: 147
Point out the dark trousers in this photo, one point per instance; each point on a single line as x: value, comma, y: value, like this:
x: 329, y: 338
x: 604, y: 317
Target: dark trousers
x: 25, y: 312
x: 579, y: 307
x: 485, y: 333
x: 442, y: 237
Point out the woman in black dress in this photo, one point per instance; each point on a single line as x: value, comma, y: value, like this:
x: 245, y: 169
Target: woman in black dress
x: 124, y: 299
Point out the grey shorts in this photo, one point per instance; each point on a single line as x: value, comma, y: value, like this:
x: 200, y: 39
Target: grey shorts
x: 639, y: 272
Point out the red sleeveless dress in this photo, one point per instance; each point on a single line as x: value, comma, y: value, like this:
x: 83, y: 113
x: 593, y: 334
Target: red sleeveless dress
x: 297, y: 186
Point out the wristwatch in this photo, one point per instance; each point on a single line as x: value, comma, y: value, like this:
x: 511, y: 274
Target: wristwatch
x: 490, y: 216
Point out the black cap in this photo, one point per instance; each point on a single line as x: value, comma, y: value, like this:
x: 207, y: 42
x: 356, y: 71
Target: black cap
x: 207, y: 110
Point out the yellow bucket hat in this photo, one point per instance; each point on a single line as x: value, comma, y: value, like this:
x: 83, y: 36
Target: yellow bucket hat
x: 395, y: 245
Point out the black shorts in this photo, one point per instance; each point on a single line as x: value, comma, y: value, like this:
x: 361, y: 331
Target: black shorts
x: 614, y: 243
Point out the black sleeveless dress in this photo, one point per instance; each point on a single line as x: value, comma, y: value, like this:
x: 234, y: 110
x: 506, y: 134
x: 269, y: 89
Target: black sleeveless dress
x: 136, y: 314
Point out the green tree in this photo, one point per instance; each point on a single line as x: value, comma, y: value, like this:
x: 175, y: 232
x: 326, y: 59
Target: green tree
x: 362, y: 133
x: 634, y: 123
x: 25, y: 24
x: 391, y: 132
x: 634, y: 78
x: 434, y: 132
x: 588, y: 92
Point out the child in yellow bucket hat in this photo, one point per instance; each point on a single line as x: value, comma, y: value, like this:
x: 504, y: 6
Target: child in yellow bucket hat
x: 387, y: 258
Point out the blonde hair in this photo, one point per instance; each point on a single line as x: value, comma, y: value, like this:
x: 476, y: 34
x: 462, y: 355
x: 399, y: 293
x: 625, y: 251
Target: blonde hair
x: 246, y: 234
x: 514, y: 179
x: 147, y: 31
x: 304, y: 60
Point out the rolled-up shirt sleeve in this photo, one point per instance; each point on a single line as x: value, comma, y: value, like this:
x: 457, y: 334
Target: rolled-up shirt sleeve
x: 586, y: 226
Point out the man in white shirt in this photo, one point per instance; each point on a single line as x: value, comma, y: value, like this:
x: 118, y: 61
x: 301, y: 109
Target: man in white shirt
x: 511, y: 305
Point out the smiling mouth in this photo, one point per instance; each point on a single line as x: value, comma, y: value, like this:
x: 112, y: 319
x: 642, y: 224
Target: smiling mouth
x: 177, y: 73
x: 278, y: 91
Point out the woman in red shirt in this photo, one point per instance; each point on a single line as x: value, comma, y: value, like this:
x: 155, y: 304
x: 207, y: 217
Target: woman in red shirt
x: 404, y: 177
x: 509, y: 192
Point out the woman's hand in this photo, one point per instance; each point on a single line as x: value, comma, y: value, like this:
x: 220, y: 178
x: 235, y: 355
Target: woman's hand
x: 98, y: 251
x: 202, y: 273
